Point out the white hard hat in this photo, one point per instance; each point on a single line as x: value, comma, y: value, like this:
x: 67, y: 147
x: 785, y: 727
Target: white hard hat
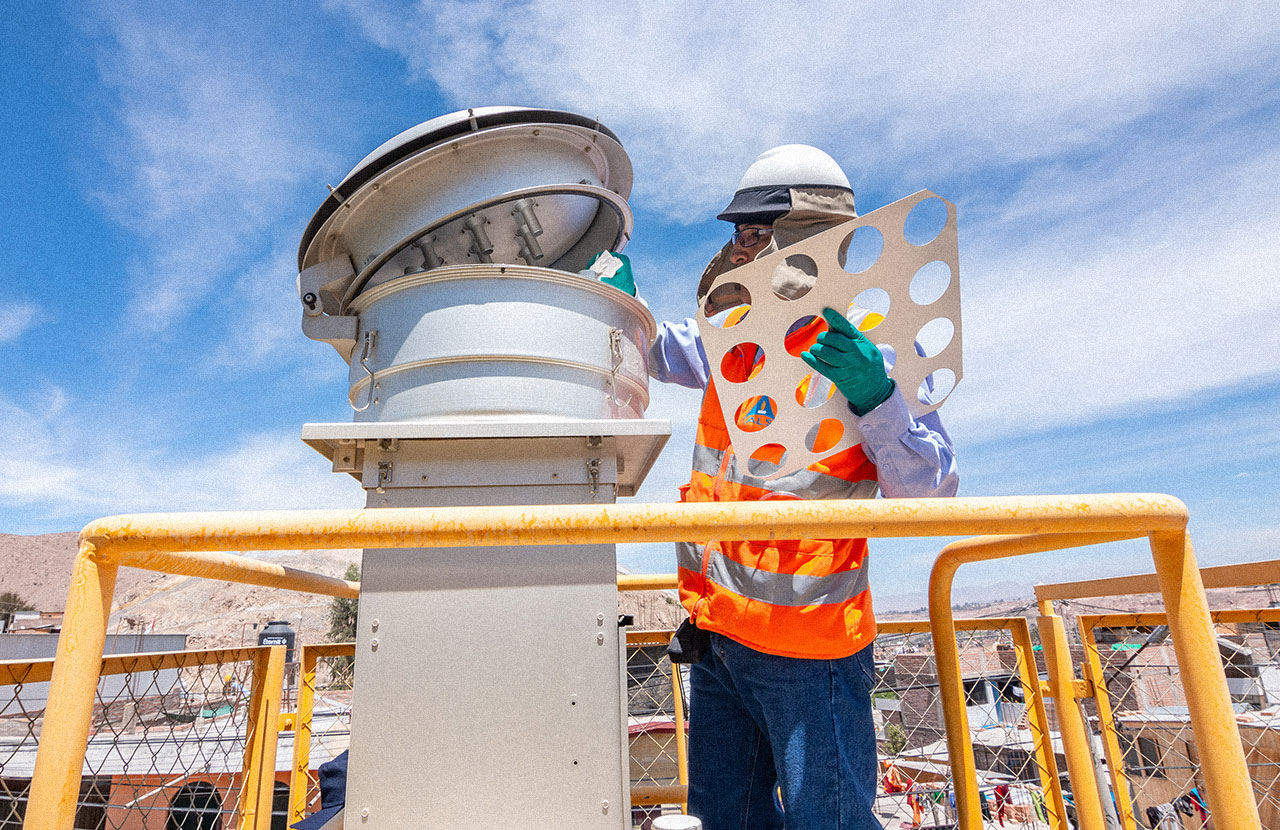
x: 764, y: 192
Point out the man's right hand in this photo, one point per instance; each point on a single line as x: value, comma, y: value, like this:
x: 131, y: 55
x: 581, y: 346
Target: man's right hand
x: 614, y: 269
x: 852, y: 362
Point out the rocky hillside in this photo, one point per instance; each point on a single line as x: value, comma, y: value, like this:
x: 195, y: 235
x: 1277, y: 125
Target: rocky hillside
x: 212, y: 613
x: 221, y: 614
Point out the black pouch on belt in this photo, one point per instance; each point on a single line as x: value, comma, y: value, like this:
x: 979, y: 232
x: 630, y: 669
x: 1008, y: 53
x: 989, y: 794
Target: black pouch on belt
x: 688, y: 644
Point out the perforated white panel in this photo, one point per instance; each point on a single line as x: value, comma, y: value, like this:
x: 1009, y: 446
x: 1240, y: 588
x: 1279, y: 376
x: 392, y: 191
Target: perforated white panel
x: 913, y: 281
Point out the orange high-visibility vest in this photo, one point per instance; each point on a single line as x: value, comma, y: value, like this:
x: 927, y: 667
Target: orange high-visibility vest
x: 799, y: 598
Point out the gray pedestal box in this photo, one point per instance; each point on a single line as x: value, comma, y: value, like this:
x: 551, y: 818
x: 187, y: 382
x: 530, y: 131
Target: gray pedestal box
x: 490, y: 682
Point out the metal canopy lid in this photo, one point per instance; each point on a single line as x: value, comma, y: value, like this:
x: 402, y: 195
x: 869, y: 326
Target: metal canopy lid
x: 445, y: 128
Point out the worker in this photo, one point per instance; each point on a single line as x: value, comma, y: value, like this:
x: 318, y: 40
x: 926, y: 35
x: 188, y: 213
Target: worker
x: 781, y: 632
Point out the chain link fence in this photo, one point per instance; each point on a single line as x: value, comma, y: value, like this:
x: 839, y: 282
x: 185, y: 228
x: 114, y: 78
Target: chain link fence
x: 1141, y: 712
x: 326, y: 677
x: 656, y: 727
x: 1016, y: 750
x: 24, y: 691
x: 167, y: 740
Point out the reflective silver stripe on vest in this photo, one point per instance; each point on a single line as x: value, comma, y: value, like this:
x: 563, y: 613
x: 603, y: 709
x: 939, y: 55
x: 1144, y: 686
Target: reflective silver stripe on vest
x: 689, y: 556
x: 706, y: 460
x: 787, y: 589
x: 805, y: 484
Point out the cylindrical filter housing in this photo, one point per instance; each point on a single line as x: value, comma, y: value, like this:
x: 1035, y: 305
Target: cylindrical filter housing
x: 457, y: 245
x: 500, y: 341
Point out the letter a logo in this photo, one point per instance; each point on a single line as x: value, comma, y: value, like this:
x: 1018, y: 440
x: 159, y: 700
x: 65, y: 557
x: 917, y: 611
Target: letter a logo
x: 761, y: 414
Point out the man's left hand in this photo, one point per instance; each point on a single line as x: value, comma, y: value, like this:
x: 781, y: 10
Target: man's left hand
x: 852, y: 362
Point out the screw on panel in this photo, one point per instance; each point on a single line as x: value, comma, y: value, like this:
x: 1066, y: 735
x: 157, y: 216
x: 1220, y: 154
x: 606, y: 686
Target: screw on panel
x: 600, y: 639
x: 604, y: 806
x: 373, y: 626
x: 373, y: 644
x: 599, y: 619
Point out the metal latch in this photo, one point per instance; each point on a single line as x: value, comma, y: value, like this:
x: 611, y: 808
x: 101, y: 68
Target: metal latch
x: 593, y: 473
x: 366, y: 352
x: 615, y: 353
x: 384, y: 475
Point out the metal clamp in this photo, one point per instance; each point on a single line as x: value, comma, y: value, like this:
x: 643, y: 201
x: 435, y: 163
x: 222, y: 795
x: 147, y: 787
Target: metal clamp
x: 385, y: 472
x: 615, y: 349
x: 593, y: 473
x: 366, y: 352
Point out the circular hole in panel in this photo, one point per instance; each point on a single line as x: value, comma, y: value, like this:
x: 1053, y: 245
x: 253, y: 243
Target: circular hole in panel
x: 936, y: 387
x: 814, y: 390
x: 930, y: 282
x: 756, y: 413
x: 766, y: 460
x: 862, y: 249
x: 869, y: 309
x: 925, y: 221
x: 934, y: 336
x: 890, y: 355
x: 794, y: 277
x: 741, y: 363
x: 824, y: 435
x: 727, y: 305
x: 802, y: 333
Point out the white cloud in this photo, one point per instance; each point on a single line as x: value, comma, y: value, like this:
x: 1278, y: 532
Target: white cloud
x: 78, y: 465
x: 208, y: 154
x: 697, y: 91
x: 1114, y: 203
x: 17, y: 318
x: 261, y: 316
x: 1126, y: 304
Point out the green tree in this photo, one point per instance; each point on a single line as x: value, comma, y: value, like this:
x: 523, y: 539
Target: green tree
x: 895, y: 738
x: 343, y: 611
x: 11, y: 601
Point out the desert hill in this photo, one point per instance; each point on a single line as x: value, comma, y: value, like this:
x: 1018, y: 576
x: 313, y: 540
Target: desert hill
x: 216, y: 614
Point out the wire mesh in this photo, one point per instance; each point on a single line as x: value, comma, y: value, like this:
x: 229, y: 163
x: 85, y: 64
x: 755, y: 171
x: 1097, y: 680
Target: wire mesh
x: 916, y: 786
x: 1147, y: 722
x: 656, y: 723
x: 23, y: 693
x: 166, y: 741
x: 327, y: 679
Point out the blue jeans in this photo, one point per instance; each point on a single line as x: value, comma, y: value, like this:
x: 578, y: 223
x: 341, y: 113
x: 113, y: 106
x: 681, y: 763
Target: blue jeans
x: 758, y: 722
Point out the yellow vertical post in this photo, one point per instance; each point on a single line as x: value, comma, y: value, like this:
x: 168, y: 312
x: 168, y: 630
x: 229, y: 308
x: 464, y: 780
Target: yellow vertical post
x: 1107, y: 724
x: 946, y: 659
x: 1038, y: 721
x: 1222, y: 761
x: 1071, y: 725
x: 257, y: 781
x: 682, y: 737
x: 300, y: 776
x: 55, y: 785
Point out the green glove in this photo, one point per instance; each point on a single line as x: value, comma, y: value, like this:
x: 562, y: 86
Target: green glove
x: 614, y: 269
x: 852, y: 362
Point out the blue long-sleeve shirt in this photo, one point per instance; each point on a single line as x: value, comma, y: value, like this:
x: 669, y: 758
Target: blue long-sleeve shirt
x: 914, y: 457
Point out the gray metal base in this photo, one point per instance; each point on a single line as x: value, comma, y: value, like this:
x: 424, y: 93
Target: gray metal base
x: 489, y: 682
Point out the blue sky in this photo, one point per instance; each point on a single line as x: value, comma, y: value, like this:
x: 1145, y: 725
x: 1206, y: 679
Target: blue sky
x: 1114, y: 168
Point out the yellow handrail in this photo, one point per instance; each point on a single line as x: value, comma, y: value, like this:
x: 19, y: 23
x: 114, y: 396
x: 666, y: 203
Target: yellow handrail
x: 141, y: 540
x: 165, y: 542
x: 1226, y: 776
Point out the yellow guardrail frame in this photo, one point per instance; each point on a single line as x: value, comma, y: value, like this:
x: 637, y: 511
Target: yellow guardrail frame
x: 196, y: 544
